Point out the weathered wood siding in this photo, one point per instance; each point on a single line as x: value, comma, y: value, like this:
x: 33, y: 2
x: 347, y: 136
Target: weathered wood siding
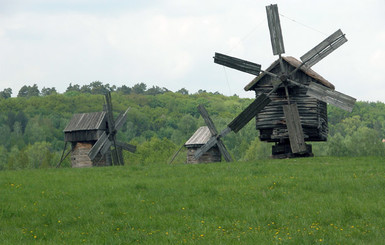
x: 313, y: 113
x: 80, y: 159
x: 83, y: 135
x: 212, y: 155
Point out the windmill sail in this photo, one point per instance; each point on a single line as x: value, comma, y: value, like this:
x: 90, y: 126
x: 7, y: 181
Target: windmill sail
x: 214, y: 140
x: 251, y: 111
x: 205, y: 115
x: 294, y: 128
x: 333, y: 97
x: 275, y: 29
x: 238, y: 64
x: 323, y: 49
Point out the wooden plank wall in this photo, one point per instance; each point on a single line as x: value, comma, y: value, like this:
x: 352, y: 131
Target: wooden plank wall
x: 271, y: 120
x: 80, y: 159
x: 212, y: 155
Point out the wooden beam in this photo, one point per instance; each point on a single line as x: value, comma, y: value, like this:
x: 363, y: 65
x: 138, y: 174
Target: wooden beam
x: 323, y: 49
x: 332, y: 97
x: 238, y: 64
x: 294, y: 128
x: 205, y: 115
x: 97, y: 146
x: 250, y: 112
x: 275, y: 29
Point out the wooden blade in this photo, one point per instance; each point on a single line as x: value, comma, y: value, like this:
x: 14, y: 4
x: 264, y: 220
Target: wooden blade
x: 294, y: 128
x: 324, y: 48
x: 96, y: 148
x: 332, y: 97
x: 125, y: 146
x: 251, y: 111
x: 275, y: 29
x: 115, y: 159
x: 222, y: 148
x: 205, y: 115
x: 212, y: 141
x: 106, y: 147
x: 238, y: 64
x: 121, y: 120
x: 115, y: 152
x: 110, y: 118
x: 119, y: 152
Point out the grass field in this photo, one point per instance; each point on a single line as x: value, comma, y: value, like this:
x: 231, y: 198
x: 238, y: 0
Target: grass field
x: 296, y: 201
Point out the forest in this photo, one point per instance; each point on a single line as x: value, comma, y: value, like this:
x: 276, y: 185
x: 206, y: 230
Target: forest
x: 159, y: 122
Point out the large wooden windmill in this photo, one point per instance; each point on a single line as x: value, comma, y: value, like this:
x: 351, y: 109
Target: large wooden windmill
x: 93, y: 138
x: 290, y: 105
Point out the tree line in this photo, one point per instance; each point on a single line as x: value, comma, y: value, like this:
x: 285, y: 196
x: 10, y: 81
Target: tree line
x: 159, y: 122
x: 95, y: 87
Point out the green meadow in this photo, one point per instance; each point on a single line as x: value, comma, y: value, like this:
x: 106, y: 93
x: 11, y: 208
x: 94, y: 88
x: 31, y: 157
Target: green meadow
x: 320, y: 200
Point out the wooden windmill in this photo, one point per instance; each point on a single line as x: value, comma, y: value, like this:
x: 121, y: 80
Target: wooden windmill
x: 285, y: 94
x: 93, y: 138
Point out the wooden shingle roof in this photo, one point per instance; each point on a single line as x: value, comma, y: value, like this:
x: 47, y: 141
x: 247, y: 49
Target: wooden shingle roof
x: 86, y: 121
x: 295, y: 63
x: 200, y: 137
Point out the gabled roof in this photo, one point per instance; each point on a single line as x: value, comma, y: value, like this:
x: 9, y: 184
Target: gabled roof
x: 200, y: 137
x: 295, y: 63
x: 86, y: 121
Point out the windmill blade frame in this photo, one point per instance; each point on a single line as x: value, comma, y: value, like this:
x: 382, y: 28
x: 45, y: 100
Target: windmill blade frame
x: 324, y: 48
x: 236, y: 124
x: 294, y: 128
x: 285, y: 78
x: 237, y: 64
x: 214, y: 140
x: 275, y: 29
x: 332, y: 97
x: 108, y: 138
x: 121, y: 119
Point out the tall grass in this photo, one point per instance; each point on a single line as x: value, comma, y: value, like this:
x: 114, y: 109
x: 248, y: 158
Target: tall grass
x: 297, y: 201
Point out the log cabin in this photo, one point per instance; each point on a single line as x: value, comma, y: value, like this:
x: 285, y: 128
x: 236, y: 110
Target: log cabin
x: 197, y: 140
x: 271, y: 121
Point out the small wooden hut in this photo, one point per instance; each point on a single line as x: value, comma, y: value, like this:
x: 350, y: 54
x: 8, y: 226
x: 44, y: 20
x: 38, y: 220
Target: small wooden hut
x: 313, y: 113
x: 82, y: 132
x: 197, y: 140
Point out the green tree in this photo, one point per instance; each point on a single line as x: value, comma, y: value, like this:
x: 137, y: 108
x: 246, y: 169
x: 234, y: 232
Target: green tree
x: 28, y: 91
x: 365, y: 142
x: 5, y: 133
x: 39, y: 155
x: 124, y: 89
x: 3, y: 158
x: 97, y: 87
x: 153, y: 151
x: 22, y: 119
x: 139, y: 88
x: 257, y: 150
x: 48, y: 91
x: 11, y: 119
x: 6, y: 93
x: 17, y: 159
x: 337, y: 146
x: 75, y: 87
x: 182, y: 91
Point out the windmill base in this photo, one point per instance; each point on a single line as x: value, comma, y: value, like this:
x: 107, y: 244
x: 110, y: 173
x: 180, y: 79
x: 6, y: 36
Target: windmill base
x: 283, y: 150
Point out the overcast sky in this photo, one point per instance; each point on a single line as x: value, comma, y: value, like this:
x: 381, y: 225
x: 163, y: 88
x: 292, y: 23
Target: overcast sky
x: 171, y: 43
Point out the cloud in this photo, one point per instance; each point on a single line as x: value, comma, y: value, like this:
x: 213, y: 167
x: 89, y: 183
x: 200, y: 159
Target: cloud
x: 171, y: 43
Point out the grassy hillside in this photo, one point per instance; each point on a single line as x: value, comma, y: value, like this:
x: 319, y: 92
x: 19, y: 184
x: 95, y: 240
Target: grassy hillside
x: 296, y: 201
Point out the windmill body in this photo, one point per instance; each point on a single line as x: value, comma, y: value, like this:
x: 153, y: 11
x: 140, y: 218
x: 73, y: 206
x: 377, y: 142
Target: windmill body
x: 83, y: 130
x: 271, y: 121
x: 290, y: 105
x: 197, y: 140
x: 93, y: 138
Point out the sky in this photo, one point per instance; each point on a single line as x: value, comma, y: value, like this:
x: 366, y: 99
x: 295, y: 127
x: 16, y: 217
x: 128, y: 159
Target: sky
x: 170, y: 44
